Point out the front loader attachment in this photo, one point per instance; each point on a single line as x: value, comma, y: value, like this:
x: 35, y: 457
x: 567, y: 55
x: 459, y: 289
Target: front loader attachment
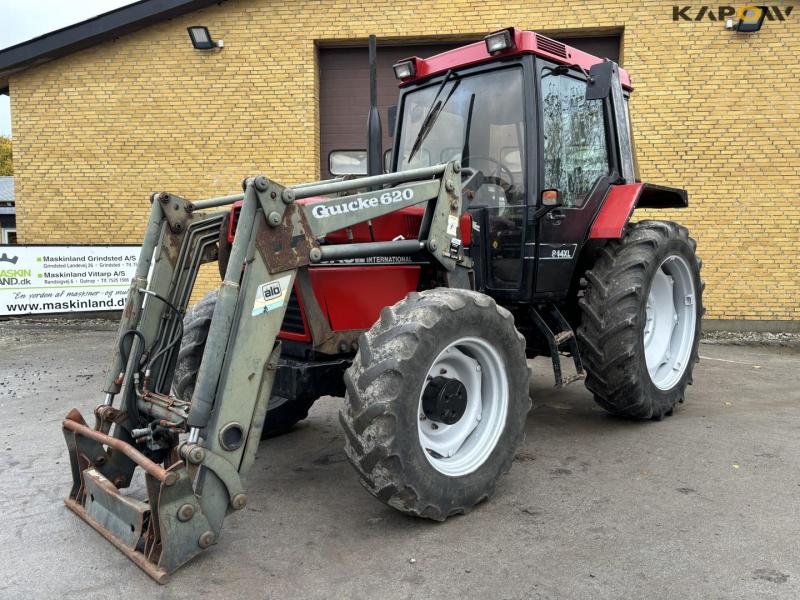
x: 158, y: 534
x: 194, y: 455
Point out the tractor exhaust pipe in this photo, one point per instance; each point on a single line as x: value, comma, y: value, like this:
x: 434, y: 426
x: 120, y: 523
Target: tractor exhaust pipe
x: 374, y: 132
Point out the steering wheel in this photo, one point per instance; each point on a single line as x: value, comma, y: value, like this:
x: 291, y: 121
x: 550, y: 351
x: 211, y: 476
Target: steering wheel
x: 496, y: 175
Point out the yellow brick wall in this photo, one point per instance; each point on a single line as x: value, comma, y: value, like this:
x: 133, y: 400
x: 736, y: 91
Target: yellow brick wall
x: 715, y: 112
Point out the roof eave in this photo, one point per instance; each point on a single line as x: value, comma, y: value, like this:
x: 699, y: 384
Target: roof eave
x: 91, y: 32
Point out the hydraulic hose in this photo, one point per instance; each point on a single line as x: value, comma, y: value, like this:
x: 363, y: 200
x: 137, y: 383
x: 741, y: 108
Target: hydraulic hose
x: 177, y: 339
x: 130, y: 401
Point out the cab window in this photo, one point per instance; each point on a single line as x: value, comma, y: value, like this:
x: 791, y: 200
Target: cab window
x: 575, y: 155
x: 478, y: 119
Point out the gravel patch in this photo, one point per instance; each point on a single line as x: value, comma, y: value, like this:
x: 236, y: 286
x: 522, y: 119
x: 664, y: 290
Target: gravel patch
x: 109, y: 323
x: 752, y: 338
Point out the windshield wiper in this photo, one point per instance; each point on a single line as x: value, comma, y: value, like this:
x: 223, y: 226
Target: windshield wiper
x: 467, y: 128
x: 432, y: 114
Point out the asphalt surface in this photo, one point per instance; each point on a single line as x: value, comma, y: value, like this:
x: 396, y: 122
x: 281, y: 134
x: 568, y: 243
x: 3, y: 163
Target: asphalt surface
x: 701, y: 505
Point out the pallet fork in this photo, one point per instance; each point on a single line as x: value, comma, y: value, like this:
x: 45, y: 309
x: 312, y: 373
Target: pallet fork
x: 195, y: 456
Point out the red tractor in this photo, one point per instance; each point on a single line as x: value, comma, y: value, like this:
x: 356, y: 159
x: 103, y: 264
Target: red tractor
x: 499, y: 232
x: 436, y: 385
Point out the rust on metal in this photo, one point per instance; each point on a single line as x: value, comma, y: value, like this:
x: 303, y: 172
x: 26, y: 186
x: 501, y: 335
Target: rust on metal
x: 288, y: 245
x: 179, y: 219
x: 175, y: 211
x: 105, y: 416
x: 152, y: 469
x: 128, y: 311
x: 157, y: 573
x: 164, y: 407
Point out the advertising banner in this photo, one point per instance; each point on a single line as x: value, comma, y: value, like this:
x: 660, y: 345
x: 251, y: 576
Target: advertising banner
x: 64, y: 279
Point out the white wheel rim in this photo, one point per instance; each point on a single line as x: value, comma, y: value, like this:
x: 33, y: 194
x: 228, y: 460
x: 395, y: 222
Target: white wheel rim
x: 461, y: 448
x: 670, y: 321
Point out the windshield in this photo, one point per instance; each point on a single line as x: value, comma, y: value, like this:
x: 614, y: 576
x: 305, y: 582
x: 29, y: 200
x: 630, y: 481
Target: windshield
x: 478, y: 119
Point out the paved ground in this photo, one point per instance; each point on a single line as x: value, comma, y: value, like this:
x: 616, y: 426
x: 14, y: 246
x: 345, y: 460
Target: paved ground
x: 702, y: 505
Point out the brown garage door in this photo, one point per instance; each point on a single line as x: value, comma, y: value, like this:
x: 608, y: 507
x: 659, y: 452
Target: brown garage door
x: 344, y: 89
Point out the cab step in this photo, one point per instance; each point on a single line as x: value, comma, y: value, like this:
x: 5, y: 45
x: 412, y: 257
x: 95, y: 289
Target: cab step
x: 563, y: 337
x: 557, y: 332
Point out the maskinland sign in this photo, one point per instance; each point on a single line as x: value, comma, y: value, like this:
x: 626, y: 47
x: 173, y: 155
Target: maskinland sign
x: 64, y: 279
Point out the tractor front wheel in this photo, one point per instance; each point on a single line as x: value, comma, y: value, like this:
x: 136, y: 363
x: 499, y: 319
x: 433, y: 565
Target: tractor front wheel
x: 436, y: 402
x: 640, y: 328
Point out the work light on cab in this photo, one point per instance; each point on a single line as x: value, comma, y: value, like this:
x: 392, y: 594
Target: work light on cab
x: 500, y: 41
x: 405, y: 69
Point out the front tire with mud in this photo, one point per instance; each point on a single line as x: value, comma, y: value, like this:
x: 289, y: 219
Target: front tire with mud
x: 455, y: 345
x: 641, y: 315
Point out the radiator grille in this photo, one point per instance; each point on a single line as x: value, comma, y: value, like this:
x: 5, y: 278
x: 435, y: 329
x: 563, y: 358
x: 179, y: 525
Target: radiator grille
x: 293, y: 319
x: 551, y: 46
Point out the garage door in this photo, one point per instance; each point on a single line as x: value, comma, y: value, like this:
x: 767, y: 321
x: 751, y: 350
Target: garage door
x: 344, y: 89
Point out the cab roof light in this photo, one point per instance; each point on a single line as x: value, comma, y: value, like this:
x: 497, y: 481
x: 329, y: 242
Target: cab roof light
x: 500, y: 41
x: 405, y: 69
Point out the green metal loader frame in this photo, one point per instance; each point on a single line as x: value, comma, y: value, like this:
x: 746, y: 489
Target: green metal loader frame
x: 194, y: 480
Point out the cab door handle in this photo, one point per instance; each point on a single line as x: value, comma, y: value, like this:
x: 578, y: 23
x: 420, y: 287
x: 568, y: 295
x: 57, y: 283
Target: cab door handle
x: 555, y: 216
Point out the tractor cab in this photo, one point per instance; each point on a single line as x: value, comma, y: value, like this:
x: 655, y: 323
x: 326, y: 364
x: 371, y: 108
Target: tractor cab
x: 523, y: 114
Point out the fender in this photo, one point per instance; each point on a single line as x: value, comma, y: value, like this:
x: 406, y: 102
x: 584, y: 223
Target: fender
x: 620, y: 201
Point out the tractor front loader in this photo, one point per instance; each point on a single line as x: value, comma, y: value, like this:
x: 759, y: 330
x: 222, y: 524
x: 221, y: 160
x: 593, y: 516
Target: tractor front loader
x: 501, y: 232
x: 195, y: 455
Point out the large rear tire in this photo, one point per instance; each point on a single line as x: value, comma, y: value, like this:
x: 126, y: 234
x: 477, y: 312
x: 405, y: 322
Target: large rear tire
x: 436, y: 402
x: 641, y: 315
x: 282, y: 413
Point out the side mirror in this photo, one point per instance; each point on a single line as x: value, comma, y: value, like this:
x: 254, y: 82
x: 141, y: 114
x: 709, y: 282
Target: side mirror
x: 552, y: 199
x: 347, y: 162
x: 391, y: 115
x: 599, y: 85
x: 387, y: 161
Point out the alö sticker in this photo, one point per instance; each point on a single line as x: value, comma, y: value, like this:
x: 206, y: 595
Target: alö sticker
x: 271, y: 295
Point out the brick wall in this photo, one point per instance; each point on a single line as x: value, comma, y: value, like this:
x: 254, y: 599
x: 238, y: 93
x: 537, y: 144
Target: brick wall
x: 713, y: 111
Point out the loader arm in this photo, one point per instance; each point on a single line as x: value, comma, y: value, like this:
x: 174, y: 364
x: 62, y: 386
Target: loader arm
x: 196, y: 455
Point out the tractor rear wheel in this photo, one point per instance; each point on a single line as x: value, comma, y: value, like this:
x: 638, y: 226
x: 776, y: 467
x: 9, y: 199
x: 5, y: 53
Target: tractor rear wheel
x: 436, y: 402
x: 282, y: 413
x: 640, y: 328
